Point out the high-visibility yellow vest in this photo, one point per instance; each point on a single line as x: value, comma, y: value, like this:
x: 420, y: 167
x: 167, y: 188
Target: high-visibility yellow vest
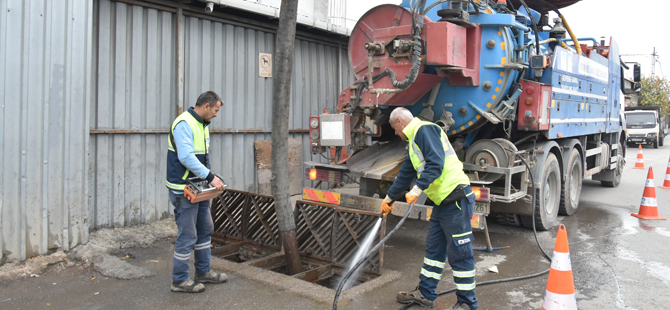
x: 176, y: 172
x: 452, y: 171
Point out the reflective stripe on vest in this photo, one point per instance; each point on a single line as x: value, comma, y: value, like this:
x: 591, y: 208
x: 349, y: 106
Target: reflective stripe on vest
x: 177, y: 173
x: 448, y: 152
x: 452, y: 170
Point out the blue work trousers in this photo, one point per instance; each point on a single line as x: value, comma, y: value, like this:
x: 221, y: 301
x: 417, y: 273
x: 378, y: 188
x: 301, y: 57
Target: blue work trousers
x: 194, y: 221
x: 450, y: 237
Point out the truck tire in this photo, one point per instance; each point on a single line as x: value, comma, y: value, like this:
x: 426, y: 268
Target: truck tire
x: 618, y: 173
x: 507, y: 219
x: 660, y: 141
x: 571, y: 188
x: 656, y: 143
x: 548, y: 197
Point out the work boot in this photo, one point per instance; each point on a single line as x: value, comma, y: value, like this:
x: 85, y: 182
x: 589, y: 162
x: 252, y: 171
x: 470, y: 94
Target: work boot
x: 415, y: 297
x: 187, y: 286
x: 211, y: 277
x: 460, y: 306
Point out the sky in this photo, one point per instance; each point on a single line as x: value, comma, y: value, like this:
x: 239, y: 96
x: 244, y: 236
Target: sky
x: 637, y: 26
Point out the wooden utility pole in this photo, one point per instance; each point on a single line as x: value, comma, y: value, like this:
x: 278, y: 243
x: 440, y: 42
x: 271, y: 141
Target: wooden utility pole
x: 281, y: 93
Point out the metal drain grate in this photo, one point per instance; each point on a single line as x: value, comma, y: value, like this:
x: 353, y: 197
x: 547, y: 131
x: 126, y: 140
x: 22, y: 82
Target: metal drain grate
x: 326, y: 232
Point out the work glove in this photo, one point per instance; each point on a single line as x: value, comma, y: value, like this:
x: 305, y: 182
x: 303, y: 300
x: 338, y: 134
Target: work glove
x: 413, y: 195
x: 386, y: 207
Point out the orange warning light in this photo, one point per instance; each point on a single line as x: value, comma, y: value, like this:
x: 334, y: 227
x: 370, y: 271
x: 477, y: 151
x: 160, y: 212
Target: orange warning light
x: 312, y: 174
x: 477, y: 191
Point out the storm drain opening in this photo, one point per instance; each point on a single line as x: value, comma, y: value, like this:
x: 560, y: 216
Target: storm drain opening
x: 334, y: 276
x: 329, y: 237
x: 315, y: 271
x: 238, y: 252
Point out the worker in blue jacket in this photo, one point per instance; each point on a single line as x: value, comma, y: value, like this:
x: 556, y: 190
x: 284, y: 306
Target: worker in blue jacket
x: 188, y: 156
x: 438, y: 173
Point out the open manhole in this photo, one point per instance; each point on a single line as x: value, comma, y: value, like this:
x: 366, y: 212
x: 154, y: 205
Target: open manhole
x: 315, y: 271
x: 328, y: 236
x: 240, y: 252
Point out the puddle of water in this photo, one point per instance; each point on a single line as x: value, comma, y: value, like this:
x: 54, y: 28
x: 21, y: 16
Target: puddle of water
x: 662, y: 231
x: 630, y: 224
x: 656, y: 269
x: 158, y: 265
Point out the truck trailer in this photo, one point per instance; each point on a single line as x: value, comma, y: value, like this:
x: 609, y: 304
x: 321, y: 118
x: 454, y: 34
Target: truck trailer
x: 530, y: 109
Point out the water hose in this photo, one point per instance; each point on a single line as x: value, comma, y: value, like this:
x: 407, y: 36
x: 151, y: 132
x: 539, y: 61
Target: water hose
x: 416, y: 57
x: 346, y: 277
x: 578, y: 47
x: 532, y: 180
x: 535, y: 30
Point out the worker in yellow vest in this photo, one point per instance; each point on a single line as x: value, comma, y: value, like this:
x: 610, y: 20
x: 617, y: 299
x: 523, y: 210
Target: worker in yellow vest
x: 187, y: 157
x: 439, y: 174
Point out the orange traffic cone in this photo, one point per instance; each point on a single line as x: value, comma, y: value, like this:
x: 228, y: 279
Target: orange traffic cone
x: 560, y: 286
x: 640, y: 161
x: 666, y: 183
x: 648, y: 206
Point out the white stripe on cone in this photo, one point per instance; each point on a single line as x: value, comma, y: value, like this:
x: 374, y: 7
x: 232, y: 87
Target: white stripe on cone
x: 649, y: 202
x: 667, y: 176
x: 561, y: 262
x: 554, y: 301
x: 640, y: 160
x: 650, y: 183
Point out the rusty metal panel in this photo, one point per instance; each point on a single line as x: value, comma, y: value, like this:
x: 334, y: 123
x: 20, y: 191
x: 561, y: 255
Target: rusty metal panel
x: 45, y: 71
x: 349, y: 230
x: 228, y: 213
x: 262, y: 226
x: 334, y: 233
x: 248, y: 217
x: 314, y: 230
x: 324, y: 231
x: 263, y: 156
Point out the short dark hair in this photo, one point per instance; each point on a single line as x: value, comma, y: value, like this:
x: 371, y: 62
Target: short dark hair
x: 208, y: 97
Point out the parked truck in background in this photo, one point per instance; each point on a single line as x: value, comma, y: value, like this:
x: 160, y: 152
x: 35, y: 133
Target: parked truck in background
x: 529, y: 108
x: 645, y: 125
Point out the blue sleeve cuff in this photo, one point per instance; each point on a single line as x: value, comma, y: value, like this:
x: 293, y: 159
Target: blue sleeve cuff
x: 210, y: 177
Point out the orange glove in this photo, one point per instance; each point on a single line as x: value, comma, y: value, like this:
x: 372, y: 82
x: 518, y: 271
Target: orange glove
x: 413, y: 195
x: 386, y: 207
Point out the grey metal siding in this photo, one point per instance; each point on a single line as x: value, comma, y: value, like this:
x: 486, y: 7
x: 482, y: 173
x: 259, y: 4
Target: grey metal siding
x: 136, y: 92
x: 137, y: 96
x: 45, y: 63
x: 224, y: 58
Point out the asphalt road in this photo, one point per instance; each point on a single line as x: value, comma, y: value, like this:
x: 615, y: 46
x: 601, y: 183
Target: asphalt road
x: 618, y: 261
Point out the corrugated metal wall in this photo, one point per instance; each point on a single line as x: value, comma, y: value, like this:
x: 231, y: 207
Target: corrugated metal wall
x: 137, y: 91
x: 45, y: 63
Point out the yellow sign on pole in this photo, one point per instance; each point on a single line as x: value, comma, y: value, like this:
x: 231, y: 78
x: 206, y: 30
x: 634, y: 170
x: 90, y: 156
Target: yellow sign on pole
x: 265, y: 65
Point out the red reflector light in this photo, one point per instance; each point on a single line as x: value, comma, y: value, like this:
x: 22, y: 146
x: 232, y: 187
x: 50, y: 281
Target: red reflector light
x: 477, y: 191
x: 323, y: 175
x: 481, y: 193
x: 530, y: 90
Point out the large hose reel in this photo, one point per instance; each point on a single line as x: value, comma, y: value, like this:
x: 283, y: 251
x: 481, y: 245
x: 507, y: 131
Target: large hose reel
x: 491, y: 153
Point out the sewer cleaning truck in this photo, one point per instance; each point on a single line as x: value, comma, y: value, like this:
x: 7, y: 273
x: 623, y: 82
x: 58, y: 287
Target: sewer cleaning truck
x: 530, y: 108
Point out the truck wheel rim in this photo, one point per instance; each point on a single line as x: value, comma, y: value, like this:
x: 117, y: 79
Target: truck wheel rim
x: 550, y: 190
x: 574, y: 182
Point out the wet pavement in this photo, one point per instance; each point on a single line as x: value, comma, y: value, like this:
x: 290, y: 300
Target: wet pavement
x: 618, y: 261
